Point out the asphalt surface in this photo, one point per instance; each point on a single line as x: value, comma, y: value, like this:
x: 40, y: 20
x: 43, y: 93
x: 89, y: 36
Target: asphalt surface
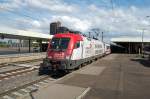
x: 120, y: 76
x: 126, y: 77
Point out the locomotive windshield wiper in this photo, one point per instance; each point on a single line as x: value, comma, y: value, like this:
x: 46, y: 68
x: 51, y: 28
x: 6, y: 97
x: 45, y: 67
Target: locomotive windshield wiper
x: 60, y: 48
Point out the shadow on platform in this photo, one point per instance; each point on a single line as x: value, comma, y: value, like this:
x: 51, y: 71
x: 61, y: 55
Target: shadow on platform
x: 143, y: 61
x: 55, y: 74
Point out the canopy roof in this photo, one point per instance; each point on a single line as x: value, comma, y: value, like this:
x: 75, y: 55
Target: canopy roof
x: 130, y: 39
x: 21, y: 34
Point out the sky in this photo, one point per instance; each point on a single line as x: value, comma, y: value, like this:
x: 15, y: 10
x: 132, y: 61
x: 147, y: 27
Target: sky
x: 116, y: 18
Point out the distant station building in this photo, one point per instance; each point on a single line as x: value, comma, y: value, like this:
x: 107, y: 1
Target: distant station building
x: 12, y: 40
x: 62, y: 29
x: 129, y: 44
x: 54, y: 27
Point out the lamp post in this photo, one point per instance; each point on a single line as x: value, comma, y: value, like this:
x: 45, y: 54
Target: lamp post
x: 142, y: 40
x: 149, y: 25
x: 102, y: 36
x: 142, y: 43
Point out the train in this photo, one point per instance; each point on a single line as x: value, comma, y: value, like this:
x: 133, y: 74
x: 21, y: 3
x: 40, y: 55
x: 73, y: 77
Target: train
x: 146, y: 50
x: 68, y: 51
x: 107, y: 48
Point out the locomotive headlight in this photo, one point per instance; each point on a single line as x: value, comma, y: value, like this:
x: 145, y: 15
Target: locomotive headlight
x: 67, y: 57
x: 50, y: 57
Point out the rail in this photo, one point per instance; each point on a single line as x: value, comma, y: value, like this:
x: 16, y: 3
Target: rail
x: 21, y: 55
x: 5, y: 59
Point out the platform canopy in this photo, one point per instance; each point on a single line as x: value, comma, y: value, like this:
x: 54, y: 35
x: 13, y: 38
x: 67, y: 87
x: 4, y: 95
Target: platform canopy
x: 22, y: 34
x: 130, y: 39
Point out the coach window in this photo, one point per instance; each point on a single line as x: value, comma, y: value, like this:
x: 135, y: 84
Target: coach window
x: 108, y: 47
x: 77, y: 45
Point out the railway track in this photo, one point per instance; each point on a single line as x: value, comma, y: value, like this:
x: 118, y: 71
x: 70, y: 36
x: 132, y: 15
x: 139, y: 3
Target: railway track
x: 20, y: 91
x: 21, y: 62
x: 3, y: 65
x: 15, y: 72
x: 26, y: 88
x: 29, y: 61
x: 17, y: 69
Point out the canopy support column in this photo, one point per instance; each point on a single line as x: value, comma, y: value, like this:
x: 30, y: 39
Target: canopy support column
x: 19, y: 49
x: 29, y: 45
x: 40, y: 43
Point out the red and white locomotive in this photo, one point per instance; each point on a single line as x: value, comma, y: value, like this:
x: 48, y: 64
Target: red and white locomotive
x: 68, y: 51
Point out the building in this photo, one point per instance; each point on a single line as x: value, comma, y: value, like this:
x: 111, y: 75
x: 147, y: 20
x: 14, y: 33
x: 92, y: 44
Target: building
x: 131, y: 44
x: 62, y: 30
x: 53, y: 27
x: 20, y: 39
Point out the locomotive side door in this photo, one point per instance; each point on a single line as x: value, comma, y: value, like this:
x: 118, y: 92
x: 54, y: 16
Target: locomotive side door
x: 82, y: 49
x: 77, y: 51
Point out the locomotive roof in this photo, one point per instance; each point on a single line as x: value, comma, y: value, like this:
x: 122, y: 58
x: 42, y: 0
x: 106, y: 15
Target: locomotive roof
x: 70, y: 35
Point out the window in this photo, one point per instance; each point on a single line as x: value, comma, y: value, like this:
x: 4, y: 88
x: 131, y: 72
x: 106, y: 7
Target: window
x: 60, y: 43
x: 77, y: 45
x: 98, y: 46
x: 108, y: 47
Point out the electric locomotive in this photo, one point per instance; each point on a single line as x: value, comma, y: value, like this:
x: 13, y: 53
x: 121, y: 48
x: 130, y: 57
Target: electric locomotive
x: 67, y: 51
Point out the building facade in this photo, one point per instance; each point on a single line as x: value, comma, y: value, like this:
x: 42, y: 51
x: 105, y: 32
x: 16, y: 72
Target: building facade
x: 54, y: 27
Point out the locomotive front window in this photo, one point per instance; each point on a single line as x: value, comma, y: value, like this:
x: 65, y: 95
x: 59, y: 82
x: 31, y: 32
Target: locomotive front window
x: 60, y: 43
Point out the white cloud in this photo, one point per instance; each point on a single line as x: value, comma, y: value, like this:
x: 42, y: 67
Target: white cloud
x: 11, y: 5
x: 51, y: 5
x: 73, y: 22
x: 122, y: 21
x: 92, y: 7
x: 36, y: 24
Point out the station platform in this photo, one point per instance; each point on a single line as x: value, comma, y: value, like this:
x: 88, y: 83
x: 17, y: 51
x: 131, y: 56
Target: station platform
x: 117, y: 76
x: 8, y: 58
